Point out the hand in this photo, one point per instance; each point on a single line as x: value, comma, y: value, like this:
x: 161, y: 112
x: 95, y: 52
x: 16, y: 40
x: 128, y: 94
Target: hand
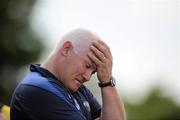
x: 100, y: 55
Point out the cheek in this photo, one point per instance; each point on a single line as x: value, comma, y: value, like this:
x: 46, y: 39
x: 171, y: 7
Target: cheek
x: 73, y: 71
x: 75, y: 67
x: 80, y: 69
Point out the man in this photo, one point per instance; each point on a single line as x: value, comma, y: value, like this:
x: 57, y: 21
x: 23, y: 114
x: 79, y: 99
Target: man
x: 54, y: 90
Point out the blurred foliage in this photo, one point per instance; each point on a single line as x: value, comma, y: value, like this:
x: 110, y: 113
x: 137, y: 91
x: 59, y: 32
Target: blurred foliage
x: 19, y: 44
x: 155, y: 107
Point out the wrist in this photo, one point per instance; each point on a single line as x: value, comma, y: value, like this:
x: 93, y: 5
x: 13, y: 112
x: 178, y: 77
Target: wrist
x: 105, y: 80
x: 111, y: 82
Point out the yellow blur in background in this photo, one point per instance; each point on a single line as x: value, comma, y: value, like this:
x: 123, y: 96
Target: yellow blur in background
x: 6, y: 111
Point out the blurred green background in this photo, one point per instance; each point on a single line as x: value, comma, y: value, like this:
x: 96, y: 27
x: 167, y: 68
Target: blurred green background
x: 20, y: 46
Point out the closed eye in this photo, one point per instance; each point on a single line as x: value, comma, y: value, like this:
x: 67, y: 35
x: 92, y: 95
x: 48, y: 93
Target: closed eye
x: 88, y: 66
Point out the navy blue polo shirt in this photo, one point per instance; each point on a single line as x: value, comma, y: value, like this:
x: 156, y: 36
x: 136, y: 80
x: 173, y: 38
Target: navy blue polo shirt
x: 40, y: 96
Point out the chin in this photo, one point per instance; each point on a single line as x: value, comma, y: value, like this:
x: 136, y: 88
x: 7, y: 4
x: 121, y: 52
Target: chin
x: 73, y: 89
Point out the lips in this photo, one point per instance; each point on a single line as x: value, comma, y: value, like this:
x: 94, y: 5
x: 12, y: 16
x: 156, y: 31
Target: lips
x: 79, y: 81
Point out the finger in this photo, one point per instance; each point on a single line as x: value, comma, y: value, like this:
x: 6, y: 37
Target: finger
x: 93, y: 58
x: 98, y: 53
x: 103, y: 48
x: 104, y: 44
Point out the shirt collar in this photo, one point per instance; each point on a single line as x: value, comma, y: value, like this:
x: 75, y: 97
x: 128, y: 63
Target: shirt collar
x: 44, y: 72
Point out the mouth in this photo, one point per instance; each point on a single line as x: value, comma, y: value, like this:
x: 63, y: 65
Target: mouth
x: 79, y: 81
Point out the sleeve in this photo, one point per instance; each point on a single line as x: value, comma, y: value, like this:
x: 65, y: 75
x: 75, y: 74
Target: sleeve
x: 94, y: 104
x: 39, y: 104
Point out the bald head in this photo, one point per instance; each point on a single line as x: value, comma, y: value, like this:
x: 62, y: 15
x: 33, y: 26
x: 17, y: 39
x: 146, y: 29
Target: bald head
x: 69, y: 62
x: 80, y: 38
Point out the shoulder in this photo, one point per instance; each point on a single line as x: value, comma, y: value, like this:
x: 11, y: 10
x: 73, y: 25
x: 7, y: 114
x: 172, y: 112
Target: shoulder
x: 35, y: 88
x: 41, y: 103
x: 34, y: 84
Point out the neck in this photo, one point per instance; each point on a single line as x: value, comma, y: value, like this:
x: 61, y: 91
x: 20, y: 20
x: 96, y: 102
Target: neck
x: 49, y: 65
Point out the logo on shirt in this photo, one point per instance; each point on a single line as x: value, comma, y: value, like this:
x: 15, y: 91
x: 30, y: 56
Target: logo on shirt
x: 87, y: 106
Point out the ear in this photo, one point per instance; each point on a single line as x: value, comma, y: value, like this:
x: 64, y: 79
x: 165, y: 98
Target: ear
x: 66, y: 48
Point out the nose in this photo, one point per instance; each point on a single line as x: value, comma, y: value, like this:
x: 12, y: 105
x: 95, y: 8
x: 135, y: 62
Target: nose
x: 87, y: 75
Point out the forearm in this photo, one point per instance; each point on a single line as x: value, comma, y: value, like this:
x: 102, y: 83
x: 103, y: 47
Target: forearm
x: 112, y: 105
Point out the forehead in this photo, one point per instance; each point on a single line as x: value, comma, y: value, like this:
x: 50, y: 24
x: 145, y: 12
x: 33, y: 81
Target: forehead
x: 83, y: 44
x: 83, y: 55
x: 86, y: 59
